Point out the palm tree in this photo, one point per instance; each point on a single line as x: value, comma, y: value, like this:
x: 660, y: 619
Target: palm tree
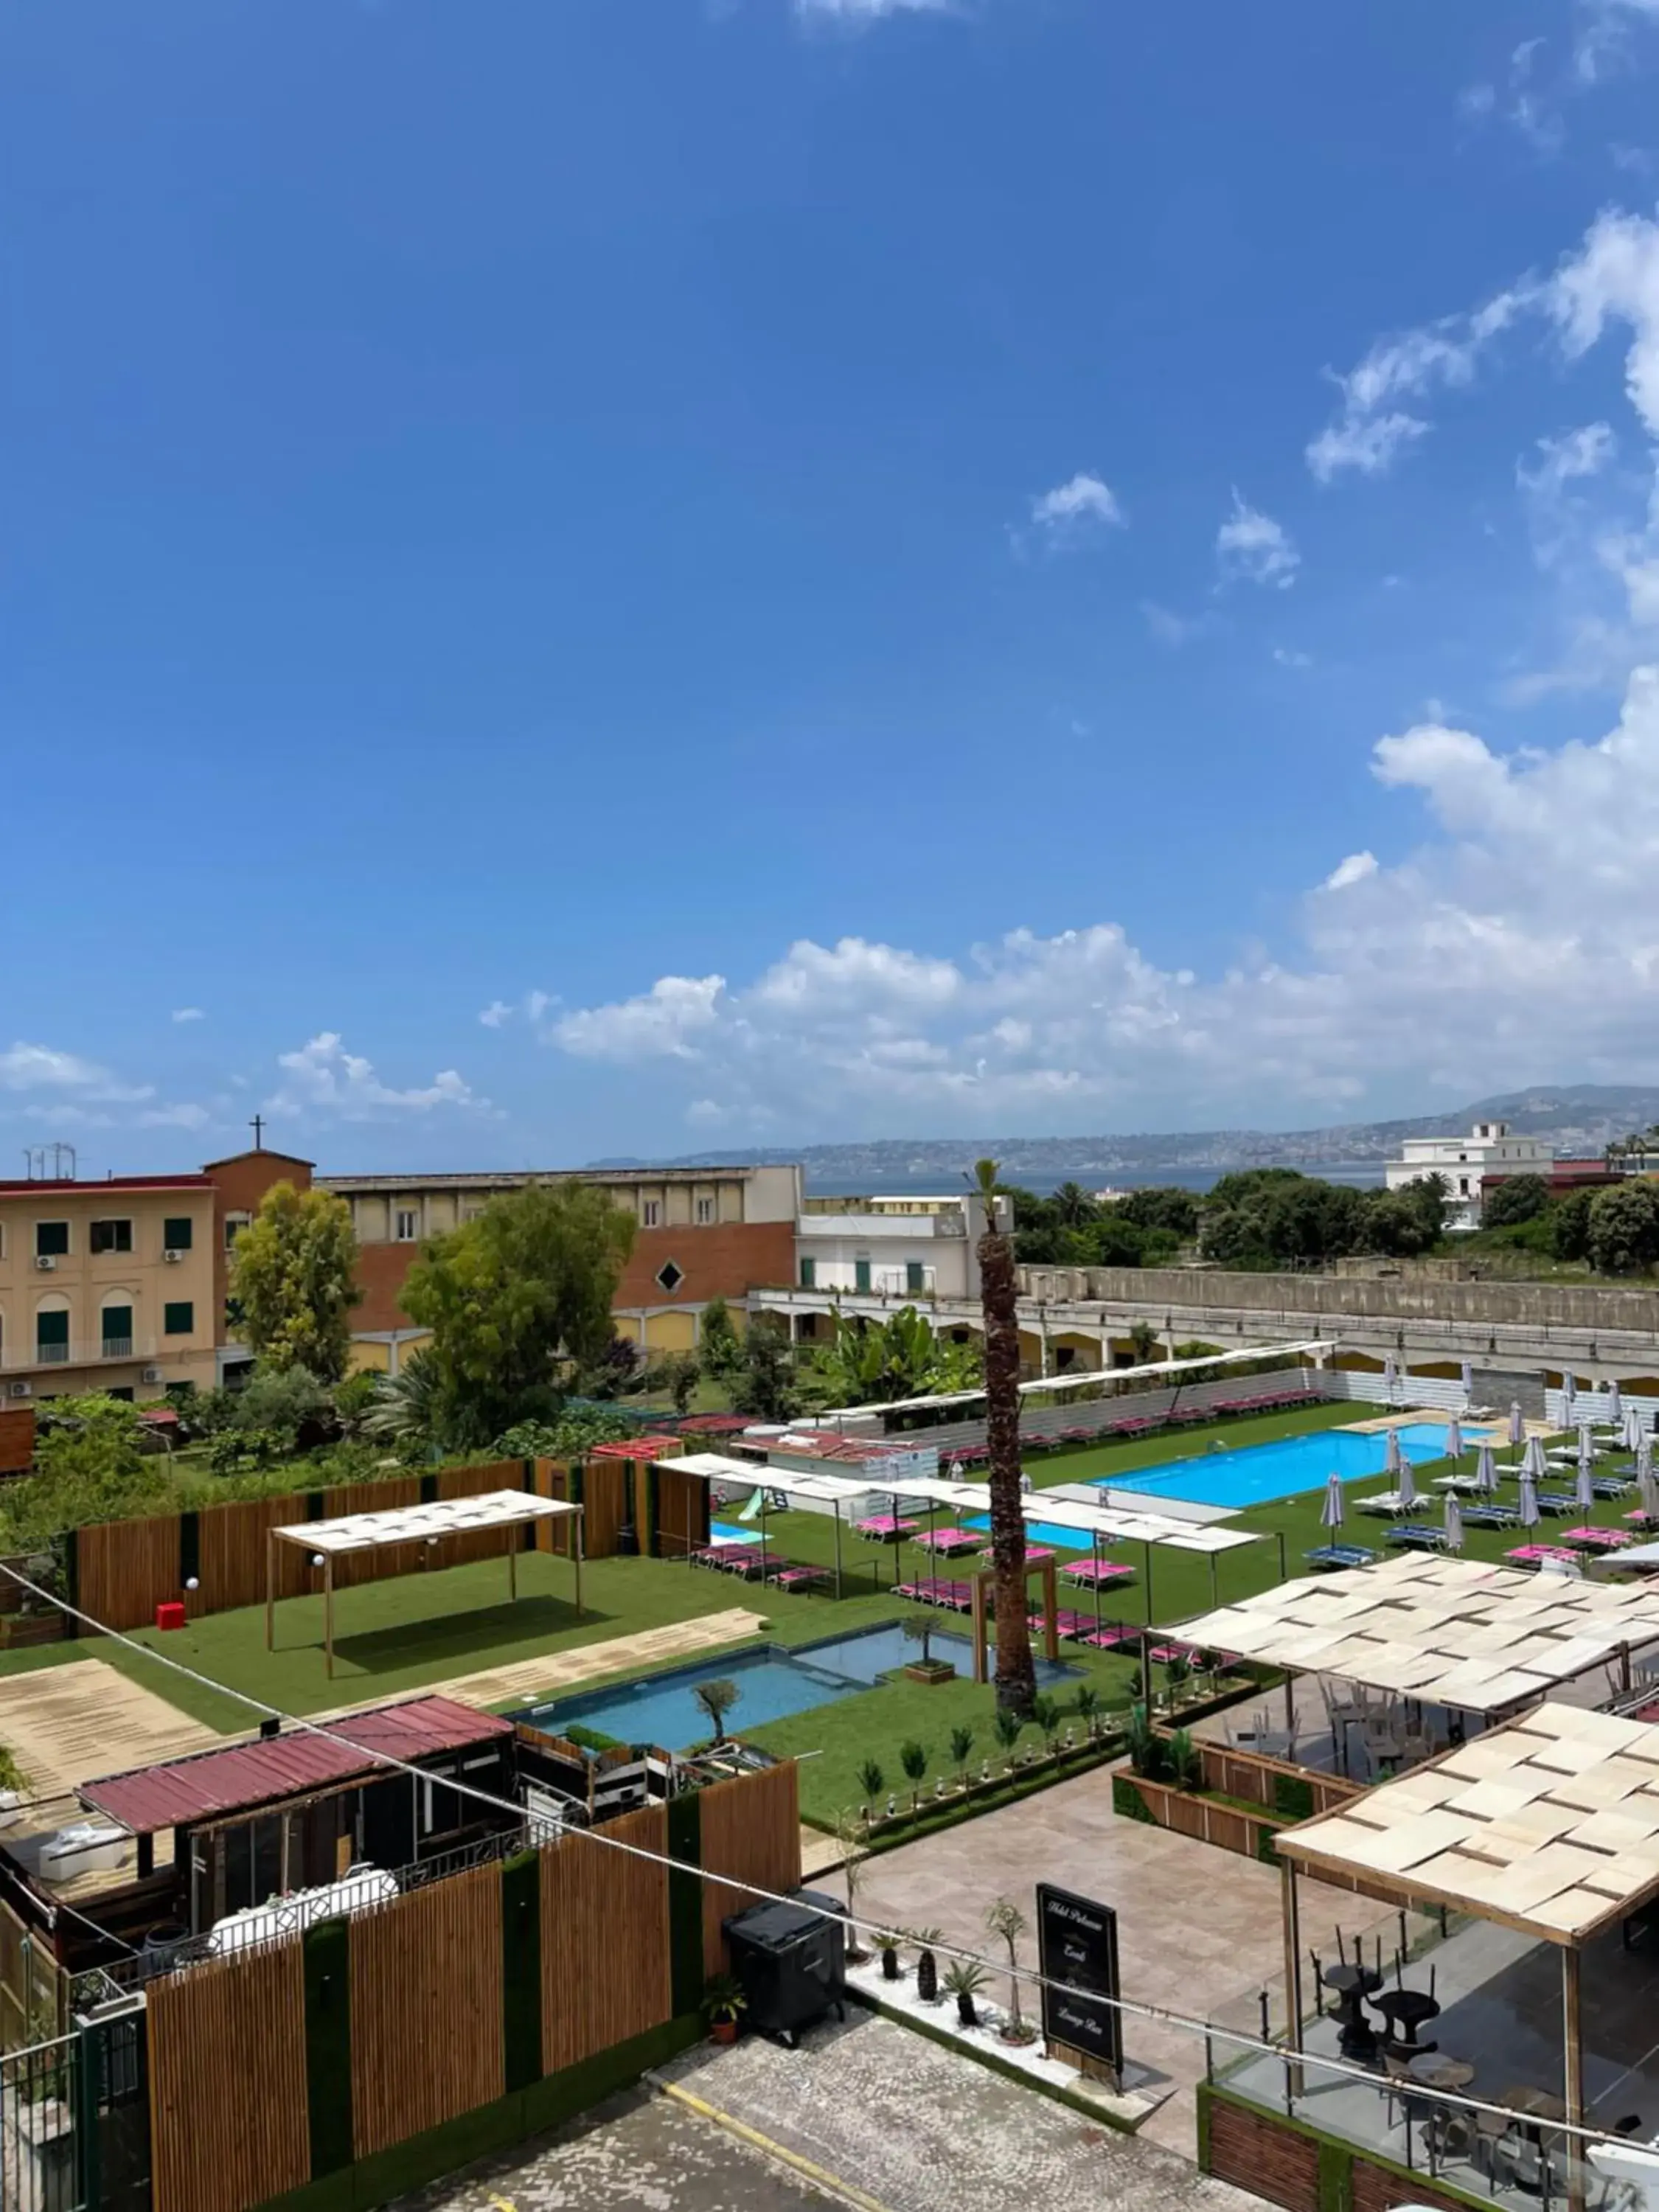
x: 1073, y: 1205
x: 1016, y: 1677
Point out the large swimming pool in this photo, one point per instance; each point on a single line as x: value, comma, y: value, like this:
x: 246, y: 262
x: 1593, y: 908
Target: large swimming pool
x: 773, y: 1683
x: 1256, y: 1475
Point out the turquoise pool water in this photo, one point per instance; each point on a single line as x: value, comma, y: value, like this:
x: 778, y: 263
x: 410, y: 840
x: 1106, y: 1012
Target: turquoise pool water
x: 1256, y: 1475
x: 772, y: 1684
x: 1039, y: 1532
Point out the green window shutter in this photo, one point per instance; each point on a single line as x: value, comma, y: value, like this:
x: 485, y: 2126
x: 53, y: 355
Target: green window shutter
x: 178, y: 1317
x: 116, y: 1324
x: 913, y: 1275
x: 51, y: 1239
x: 51, y: 1328
x: 177, y: 1232
x: 860, y: 1274
x: 808, y: 1274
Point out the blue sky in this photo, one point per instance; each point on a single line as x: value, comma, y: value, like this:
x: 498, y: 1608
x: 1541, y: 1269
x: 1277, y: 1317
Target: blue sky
x: 587, y: 579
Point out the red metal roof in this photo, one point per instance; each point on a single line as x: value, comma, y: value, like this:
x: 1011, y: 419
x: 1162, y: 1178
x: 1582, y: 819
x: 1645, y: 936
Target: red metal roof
x: 211, y: 1784
x: 638, y: 1448
x: 713, y: 1424
x: 824, y: 1443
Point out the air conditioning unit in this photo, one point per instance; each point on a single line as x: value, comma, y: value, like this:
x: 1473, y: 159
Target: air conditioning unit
x: 172, y: 1257
x: 20, y: 1390
x: 45, y: 1261
x: 149, y: 1374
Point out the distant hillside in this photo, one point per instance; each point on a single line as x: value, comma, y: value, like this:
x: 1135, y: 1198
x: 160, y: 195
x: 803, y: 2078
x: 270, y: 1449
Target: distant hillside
x: 1576, y: 1118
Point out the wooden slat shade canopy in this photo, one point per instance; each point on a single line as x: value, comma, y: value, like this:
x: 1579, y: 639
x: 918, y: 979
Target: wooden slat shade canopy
x: 1455, y: 1632
x: 1549, y: 1826
x: 414, y: 1524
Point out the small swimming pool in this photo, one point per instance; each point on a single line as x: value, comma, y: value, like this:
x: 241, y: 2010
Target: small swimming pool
x: 772, y: 1684
x: 1257, y: 1474
x: 1039, y: 1532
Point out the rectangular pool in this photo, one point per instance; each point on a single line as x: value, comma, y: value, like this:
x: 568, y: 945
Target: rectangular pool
x: 772, y: 1685
x: 1257, y: 1474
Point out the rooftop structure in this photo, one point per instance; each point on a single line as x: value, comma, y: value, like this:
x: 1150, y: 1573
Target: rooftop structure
x: 1490, y: 1149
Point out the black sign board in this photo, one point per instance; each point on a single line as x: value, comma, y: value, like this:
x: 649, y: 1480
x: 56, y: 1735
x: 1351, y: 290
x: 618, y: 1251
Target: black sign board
x: 1077, y: 1945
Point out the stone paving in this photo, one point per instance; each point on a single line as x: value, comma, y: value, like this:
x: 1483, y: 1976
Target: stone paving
x: 920, y: 2129
x: 638, y: 2153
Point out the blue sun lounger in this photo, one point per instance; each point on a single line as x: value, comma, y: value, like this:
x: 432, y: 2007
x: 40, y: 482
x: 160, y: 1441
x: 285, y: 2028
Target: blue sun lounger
x: 1341, y: 1555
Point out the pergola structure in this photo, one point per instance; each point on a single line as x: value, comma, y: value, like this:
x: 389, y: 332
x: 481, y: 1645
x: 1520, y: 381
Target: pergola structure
x: 1548, y: 1826
x: 355, y: 1532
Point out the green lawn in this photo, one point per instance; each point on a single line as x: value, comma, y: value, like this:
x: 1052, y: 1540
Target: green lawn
x: 395, y: 1636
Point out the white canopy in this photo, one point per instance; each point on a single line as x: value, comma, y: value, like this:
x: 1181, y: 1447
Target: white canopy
x: 418, y: 1524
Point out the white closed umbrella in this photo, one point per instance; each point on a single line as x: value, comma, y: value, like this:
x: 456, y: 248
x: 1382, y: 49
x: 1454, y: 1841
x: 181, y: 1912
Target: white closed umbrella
x: 1586, y: 1442
x: 1331, y: 1514
x: 1647, y: 1488
x: 1454, y: 1523
x: 1584, y: 1489
x: 1517, y: 1422
x: 1486, y: 1470
x: 1390, y: 1376
x: 1408, y: 1484
x: 1533, y: 1459
x: 1633, y: 1431
x: 1569, y: 1400
x: 1530, y: 1515
x: 1469, y: 1383
x: 1391, y: 1453
x: 1454, y: 1438
x: 1615, y: 1403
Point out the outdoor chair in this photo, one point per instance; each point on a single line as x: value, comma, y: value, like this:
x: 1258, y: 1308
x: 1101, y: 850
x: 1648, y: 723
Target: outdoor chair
x: 1557, y: 1502
x: 800, y: 1578
x: 1331, y: 1556
x: 1490, y: 1517
x: 1417, y: 1535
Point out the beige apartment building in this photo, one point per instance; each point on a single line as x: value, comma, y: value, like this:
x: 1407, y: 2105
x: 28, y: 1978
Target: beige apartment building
x: 107, y: 1287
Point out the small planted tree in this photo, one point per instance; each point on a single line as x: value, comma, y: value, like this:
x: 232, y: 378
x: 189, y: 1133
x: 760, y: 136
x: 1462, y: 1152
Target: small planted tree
x: 1046, y: 1715
x: 1177, y: 1672
x: 912, y: 1757
x: 918, y: 1628
x: 1186, y: 1761
x: 1007, y: 1724
x: 849, y: 1837
x: 1146, y: 1749
x: 872, y: 1781
x: 961, y: 1746
x: 964, y: 1980
x: 1088, y: 1707
x: 889, y: 1941
x: 1005, y: 1920
x: 927, y: 1964
x: 717, y: 1698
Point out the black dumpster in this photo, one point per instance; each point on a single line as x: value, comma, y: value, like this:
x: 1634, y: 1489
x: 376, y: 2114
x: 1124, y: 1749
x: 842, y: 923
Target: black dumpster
x: 790, y: 1962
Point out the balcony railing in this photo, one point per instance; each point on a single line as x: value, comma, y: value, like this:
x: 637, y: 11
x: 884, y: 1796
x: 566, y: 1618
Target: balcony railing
x: 77, y: 1351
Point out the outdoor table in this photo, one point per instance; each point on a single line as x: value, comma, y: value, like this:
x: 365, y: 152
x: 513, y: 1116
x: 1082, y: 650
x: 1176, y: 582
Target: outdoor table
x: 1356, y: 2038
x: 1532, y: 2106
x: 1406, y: 2011
x: 1436, y: 2069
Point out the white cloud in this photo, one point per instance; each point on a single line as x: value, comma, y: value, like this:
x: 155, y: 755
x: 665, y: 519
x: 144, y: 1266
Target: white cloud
x: 1288, y: 657
x: 1171, y: 628
x: 1074, y: 510
x: 869, y: 11
x: 189, y: 1014
x: 1354, y: 869
x: 531, y: 1008
x: 40, y: 1067
x: 1527, y: 920
x: 496, y: 1014
x: 1252, y: 547
x: 323, y: 1077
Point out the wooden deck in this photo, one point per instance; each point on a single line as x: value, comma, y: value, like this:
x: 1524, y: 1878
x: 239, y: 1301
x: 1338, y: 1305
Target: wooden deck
x: 67, y: 1724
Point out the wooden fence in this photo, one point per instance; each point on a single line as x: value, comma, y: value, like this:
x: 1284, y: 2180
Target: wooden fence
x: 125, y: 1568
x: 457, y: 2018
x: 228, y: 2088
x: 683, y: 1513
x: 1294, y: 1793
x: 426, y: 2009
x: 750, y: 1831
x: 605, y: 1955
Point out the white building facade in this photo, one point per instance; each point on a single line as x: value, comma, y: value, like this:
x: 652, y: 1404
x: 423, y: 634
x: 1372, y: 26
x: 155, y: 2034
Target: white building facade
x: 1491, y: 1148
x: 898, y: 1249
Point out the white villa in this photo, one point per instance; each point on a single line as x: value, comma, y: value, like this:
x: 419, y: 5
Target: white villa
x: 1491, y: 1148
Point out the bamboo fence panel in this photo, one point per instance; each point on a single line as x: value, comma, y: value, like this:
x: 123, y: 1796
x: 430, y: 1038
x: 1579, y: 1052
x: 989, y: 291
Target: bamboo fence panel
x: 426, y: 2041
x: 605, y: 1502
x: 476, y: 1482
x: 125, y: 1568
x: 682, y: 1514
x: 228, y: 2125
x: 233, y: 1543
x: 750, y: 1831
x: 605, y: 1952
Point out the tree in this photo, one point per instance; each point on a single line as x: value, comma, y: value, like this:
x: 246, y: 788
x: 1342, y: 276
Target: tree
x: 719, y: 1346
x: 527, y: 1282
x: 1003, y: 1918
x: 764, y: 1383
x: 1623, y: 1228
x: 1016, y: 1676
x: 677, y: 1372
x: 717, y: 1698
x: 90, y: 1462
x: 1394, y: 1225
x: 1164, y: 1206
x: 294, y: 1277
x: 405, y: 1411
x: 1143, y: 1341
x: 1569, y: 1225
x: 1073, y: 1205
x: 912, y: 1757
x: 1517, y: 1198
x: 872, y: 1363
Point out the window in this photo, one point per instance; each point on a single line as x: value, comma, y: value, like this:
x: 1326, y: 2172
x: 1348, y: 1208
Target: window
x: 178, y: 1317
x: 115, y: 1327
x: 177, y: 1232
x: 705, y: 1211
x: 670, y: 1276
x: 51, y: 1239
x: 235, y: 1224
x: 913, y: 1278
x: 860, y: 1274
x: 112, y: 1236
x: 651, y: 1212
x: 406, y: 1230
x: 51, y: 1334
x: 808, y: 1274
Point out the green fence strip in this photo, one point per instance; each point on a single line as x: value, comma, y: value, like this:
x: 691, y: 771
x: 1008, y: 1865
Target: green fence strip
x: 89, y: 2137
x: 190, y: 1549
x: 522, y: 1969
x: 1336, y: 2178
x: 316, y: 1505
x: 685, y: 1902
x: 652, y: 1545
x: 328, y: 2045
x: 428, y: 1490
x: 72, y: 1578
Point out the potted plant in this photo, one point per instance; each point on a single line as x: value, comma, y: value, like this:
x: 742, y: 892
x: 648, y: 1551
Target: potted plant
x: 1003, y: 1918
x: 912, y: 1757
x: 872, y: 1782
x: 1177, y: 1672
x: 723, y: 2001
x: 889, y: 1942
x: 964, y: 1980
x: 1147, y: 1751
x: 962, y: 1745
x: 717, y: 1698
x: 1186, y: 1761
x: 919, y: 1629
x: 1088, y: 1707
x: 1045, y: 1711
x: 1007, y: 1726
x: 927, y: 1964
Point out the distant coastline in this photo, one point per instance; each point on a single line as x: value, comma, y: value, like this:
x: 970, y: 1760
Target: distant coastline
x: 1363, y: 1174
